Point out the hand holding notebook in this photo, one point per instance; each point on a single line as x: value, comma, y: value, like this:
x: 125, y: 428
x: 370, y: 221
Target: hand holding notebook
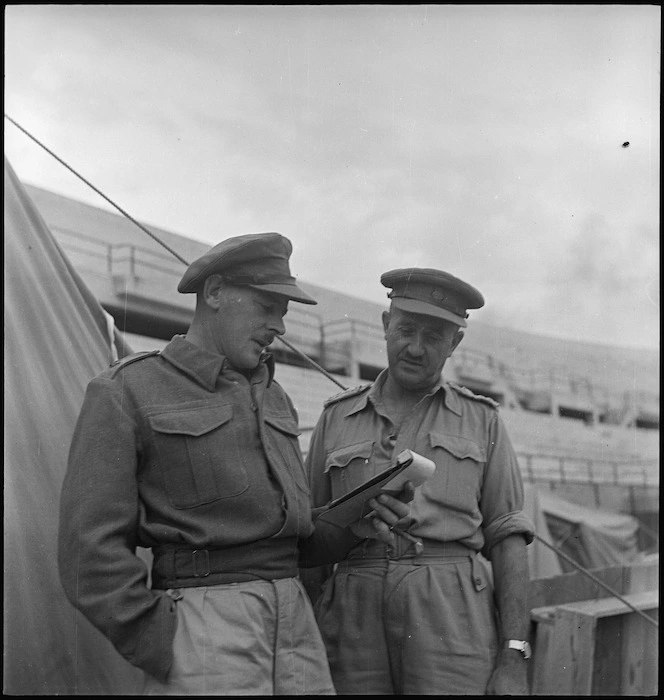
x: 409, y: 466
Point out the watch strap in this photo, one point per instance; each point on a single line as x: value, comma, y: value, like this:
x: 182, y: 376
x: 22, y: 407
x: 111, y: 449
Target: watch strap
x: 519, y: 645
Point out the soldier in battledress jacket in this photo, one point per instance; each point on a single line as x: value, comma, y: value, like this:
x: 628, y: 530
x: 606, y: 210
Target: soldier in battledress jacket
x: 193, y: 452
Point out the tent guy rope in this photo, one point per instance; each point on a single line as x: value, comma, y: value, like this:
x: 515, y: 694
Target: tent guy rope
x: 157, y: 239
x: 594, y: 578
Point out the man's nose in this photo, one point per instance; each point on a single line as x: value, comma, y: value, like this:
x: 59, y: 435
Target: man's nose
x: 416, y: 346
x: 277, y: 325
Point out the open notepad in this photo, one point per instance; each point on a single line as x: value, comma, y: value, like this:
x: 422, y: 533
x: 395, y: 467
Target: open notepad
x: 409, y: 466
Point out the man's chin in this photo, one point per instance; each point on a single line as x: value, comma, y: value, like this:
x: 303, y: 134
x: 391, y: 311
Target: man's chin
x: 247, y: 362
x: 412, y: 379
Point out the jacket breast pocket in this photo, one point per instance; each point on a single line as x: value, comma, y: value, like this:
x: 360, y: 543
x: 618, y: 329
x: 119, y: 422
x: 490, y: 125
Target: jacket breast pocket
x: 462, y: 462
x: 350, y: 466
x: 282, y: 436
x: 199, y: 455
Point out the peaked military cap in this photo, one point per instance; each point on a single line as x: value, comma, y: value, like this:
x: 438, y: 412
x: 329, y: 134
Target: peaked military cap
x: 258, y: 260
x: 432, y: 293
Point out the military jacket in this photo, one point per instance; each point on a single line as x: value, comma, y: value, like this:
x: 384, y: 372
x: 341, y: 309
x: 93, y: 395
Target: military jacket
x: 174, y: 448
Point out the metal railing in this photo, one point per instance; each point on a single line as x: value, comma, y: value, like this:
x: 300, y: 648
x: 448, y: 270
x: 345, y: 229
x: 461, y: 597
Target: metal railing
x: 341, y: 343
x: 548, y: 467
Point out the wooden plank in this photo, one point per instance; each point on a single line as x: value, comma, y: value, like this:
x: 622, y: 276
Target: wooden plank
x: 570, y: 587
x: 572, y: 653
x: 563, y: 656
x: 574, y: 586
x: 605, y: 607
x: 540, y: 666
x: 639, y: 651
x: 607, y: 656
x: 644, y: 577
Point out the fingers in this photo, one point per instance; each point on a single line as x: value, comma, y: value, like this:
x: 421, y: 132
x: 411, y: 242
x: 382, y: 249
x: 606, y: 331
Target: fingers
x: 389, y: 509
x: 388, y: 512
x: 383, y: 531
x: 373, y: 527
x: 407, y: 493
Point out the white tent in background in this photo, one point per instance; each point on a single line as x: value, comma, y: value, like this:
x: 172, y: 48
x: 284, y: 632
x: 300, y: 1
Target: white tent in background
x: 57, y: 337
x: 592, y: 537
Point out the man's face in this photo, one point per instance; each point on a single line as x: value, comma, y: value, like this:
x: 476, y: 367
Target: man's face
x: 246, y: 322
x: 417, y: 348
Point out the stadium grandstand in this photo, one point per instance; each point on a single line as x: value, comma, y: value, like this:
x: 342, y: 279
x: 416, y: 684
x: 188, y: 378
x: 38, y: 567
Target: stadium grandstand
x: 584, y: 418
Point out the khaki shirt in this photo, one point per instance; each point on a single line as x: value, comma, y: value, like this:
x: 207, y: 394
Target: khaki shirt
x: 475, y: 496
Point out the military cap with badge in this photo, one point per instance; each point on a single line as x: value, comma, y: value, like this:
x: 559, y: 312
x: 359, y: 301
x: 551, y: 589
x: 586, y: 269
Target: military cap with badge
x: 432, y: 293
x: 258, y: 260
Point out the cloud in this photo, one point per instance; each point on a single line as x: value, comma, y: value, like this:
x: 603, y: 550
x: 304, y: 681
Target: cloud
x: 483, y: 140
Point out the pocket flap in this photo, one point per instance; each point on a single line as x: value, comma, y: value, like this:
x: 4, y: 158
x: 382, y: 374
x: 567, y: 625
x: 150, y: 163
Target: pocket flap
x: 460, y: 447
x: 194, y: 421
x: 343, y: 456
x: 284, y: 424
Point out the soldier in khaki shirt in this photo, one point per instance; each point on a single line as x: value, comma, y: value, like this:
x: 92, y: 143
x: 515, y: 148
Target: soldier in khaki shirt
x: 422, y: 617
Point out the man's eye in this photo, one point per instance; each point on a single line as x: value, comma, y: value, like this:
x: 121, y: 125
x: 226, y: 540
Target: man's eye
x: 272, y: 309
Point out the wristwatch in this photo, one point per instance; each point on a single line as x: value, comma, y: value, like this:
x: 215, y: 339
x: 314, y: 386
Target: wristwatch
x: 517, y: 644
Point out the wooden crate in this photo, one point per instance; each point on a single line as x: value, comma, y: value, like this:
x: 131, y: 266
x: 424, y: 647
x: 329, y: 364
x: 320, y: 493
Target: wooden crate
x: 597, y: 645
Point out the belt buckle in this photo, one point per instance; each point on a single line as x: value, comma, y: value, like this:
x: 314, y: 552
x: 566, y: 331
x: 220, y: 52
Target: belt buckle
x: 205, y: 562
x: 398, y: 548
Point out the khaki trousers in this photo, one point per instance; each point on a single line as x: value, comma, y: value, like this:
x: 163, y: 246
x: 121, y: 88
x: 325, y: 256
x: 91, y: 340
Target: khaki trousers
x: 409, y: 626
x: 253, y: 638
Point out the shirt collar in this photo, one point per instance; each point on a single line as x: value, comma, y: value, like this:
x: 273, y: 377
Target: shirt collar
x: 202, y: 365
x: 375, y: 393
x: 452, y: 400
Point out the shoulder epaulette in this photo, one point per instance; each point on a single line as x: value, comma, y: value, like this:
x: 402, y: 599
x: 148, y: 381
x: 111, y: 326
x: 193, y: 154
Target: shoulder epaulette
x: 134, y: 357
x: 355, y: 391
x: 464, y: 391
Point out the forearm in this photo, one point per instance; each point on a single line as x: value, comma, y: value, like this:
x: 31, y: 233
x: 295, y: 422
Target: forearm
x: 328, y: 544
x: 511, y: 581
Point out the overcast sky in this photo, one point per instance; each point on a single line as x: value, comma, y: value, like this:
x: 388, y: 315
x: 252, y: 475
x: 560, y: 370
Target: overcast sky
x: 488, y: 141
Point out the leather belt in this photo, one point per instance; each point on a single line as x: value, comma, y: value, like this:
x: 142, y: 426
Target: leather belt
x: 182, y: 567
x: 374, y: 553
x: 373, y: 550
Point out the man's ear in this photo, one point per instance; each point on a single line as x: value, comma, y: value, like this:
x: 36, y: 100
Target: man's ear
x: 212, y: 288
x: 458, y: 337
x: 386, y: 320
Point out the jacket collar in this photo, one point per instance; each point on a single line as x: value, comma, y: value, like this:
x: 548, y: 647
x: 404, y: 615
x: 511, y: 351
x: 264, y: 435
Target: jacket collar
x: 204, y: 366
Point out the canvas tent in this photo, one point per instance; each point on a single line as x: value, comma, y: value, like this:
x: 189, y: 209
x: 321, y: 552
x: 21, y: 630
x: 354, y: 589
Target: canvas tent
x: 57, y: 337
x: 593, y: 538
